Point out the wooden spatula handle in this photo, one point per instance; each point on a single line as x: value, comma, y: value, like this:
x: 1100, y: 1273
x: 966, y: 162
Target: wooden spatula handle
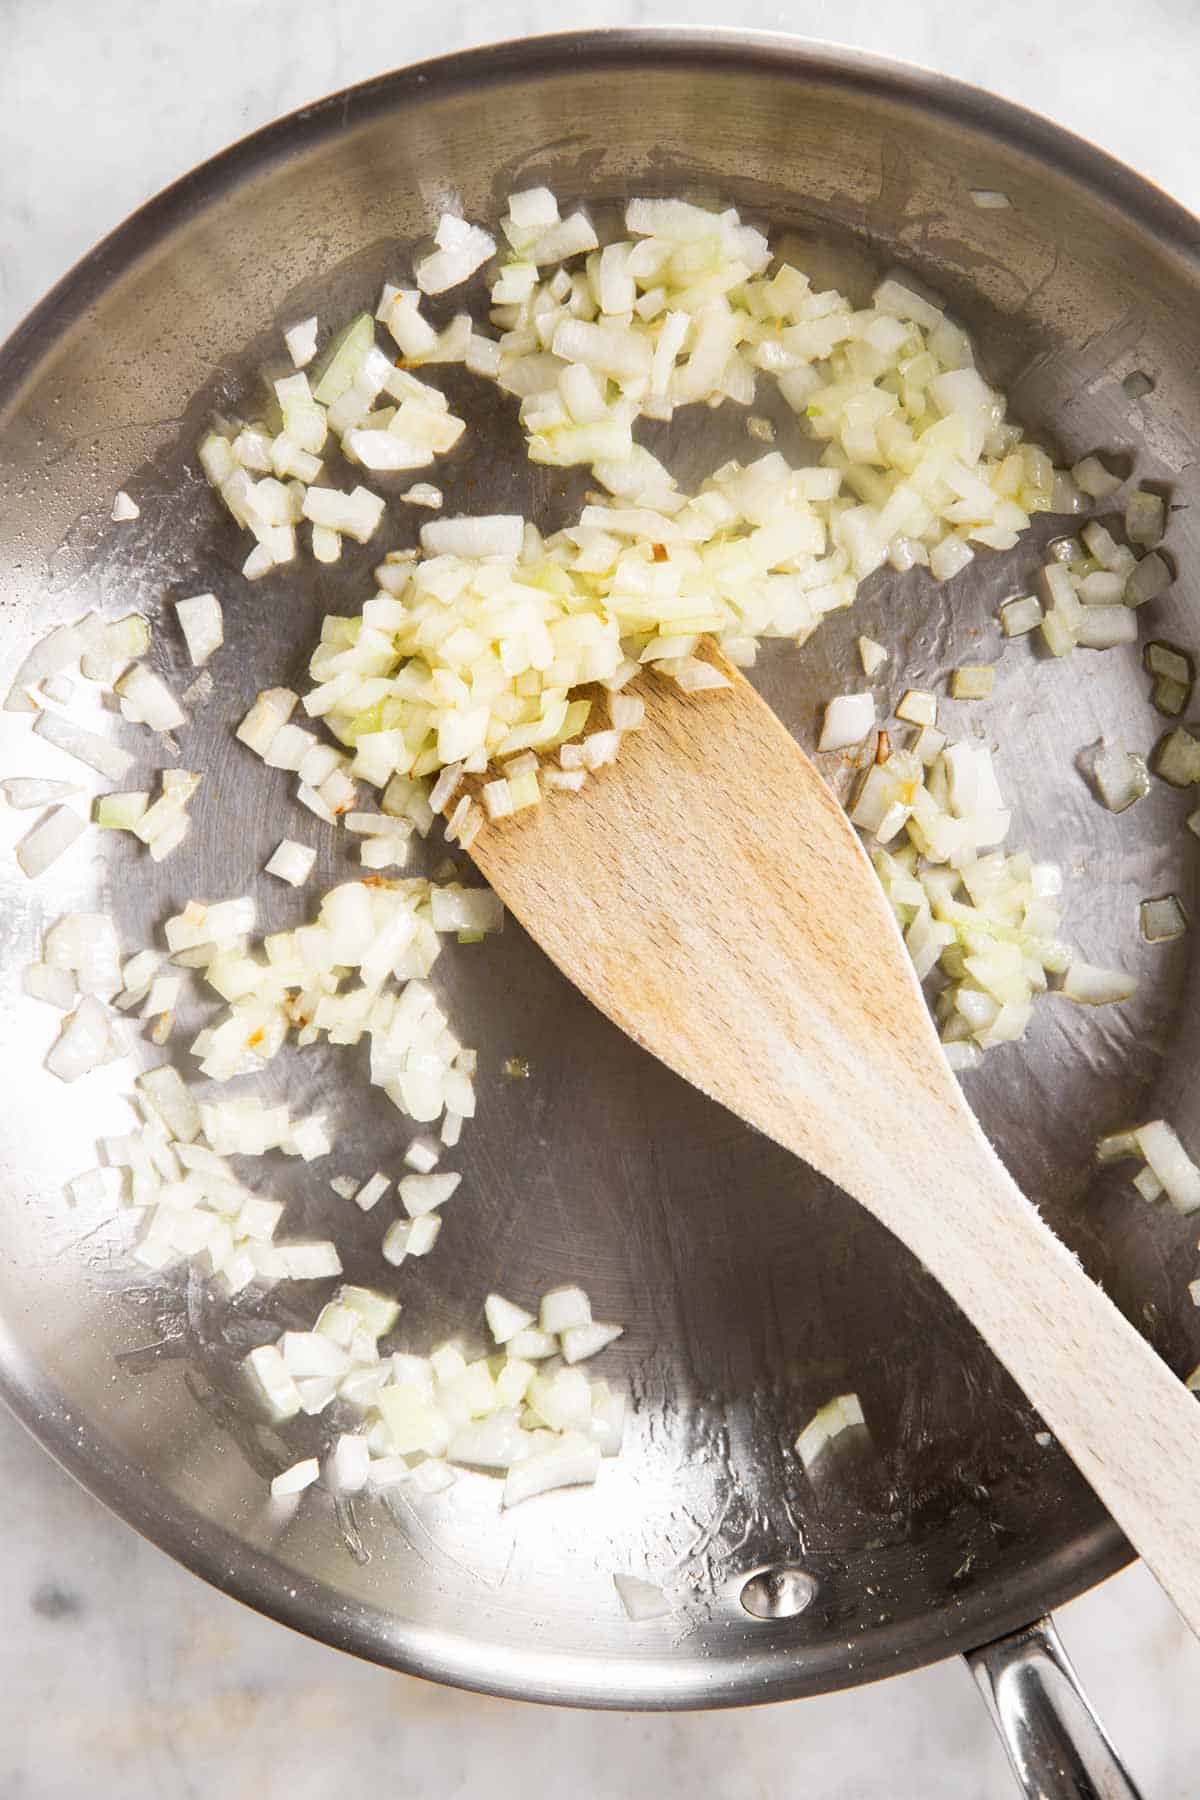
x: 1128, y: 1423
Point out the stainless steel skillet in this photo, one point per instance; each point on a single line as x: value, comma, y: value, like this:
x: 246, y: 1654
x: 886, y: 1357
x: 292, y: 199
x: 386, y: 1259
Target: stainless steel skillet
x: 752, y: 1291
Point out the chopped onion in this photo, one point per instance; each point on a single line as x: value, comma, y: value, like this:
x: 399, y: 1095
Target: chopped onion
x: 423, y: 1193
x: 1121, y: 777
x: 51, y: 836
x: 505, y: 1319
x: 1162, y: 920
x: 573, y: 1461
x: 202, y: 623
x: 461, y: 249
x: 1017, y: 617
x: 295, y: 1479
x: 372, y: 1191
x: 871, y: 655
x: 641, y: 1599
x: 847, y: 720
x: 123, y: 508
x: 834, y: 1417
x: 56, y: 986
x: 99, y: 753
x: 581, y: 1341
x: 1095, y: 986
x: 563, y: 1309
x: 973, y: 681
x: 147, y: 700
x: 1145, y: 518
x: 291, y: 862
x: 1176, y: 758
x: 1170, y: 1162
x: 1095, y: 480
x: 26, y: 792
x: 87, y: 1040
x: 1151, y: 577
x: 301, y: 341
x: 500, y: 535
x: 423, y: 493
x: 918, y: 707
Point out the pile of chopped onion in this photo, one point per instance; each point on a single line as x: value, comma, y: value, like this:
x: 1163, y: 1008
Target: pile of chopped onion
x: 987, y: 920
x: 527, y: 1412
x: 388, y: 936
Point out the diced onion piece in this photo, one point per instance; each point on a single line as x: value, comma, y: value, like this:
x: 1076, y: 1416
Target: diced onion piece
x: 572, y: 1462
x: 1170, y: 1162
x: 1145, y: 517
x: 123, y: 508
x: 423, y: 493
x: 1091, y: 985
x: 168, y: 1094
x: 504, y: 1318
x: 202, y: 623
x: 295, y: 1479
x: 1148, y: 1185
x: 918, y: 707
x: 973, y: 681
x: 86, y: 1041
x: 26, y: 791
x: 275, y: 1381
x: 121, y: 812
x: 641, y: 1599
x: 1121, y: 777
x: 348, y: 1464
x: 1097, y: 481
x: 55, y: 986
x: 310, y: 1262
x: 372, y: 1191
x: 532, y: 1345
x: 1176, y: 758
x: 99, y: 753
x: 1019, y: 616
x: 147, y: 700
x: 989, y: 199
x: 581, y: 1341
x: 1104, y: 627
x: 834, y: 1417
x: 1151, y: 577
x: 497, y: 535
x: 423, y: 1193
x: 462, y: 249
x: 847, y: 720
x: 872, y: 655
x: 563, y: 1308
x: 1162, y: 920
x: 291, y: 862
x: 301, y: 341
x: 356, y: 514
x: 1116, y: 1145
x: 50, y: 837
x: 421, y: 1155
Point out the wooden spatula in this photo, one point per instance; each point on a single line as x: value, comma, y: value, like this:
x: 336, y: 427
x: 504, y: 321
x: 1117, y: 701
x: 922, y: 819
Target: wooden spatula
x: 709, y: 894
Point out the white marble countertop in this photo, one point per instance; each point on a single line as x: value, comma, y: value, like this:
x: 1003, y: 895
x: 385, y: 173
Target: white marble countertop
x: 121, y: 1674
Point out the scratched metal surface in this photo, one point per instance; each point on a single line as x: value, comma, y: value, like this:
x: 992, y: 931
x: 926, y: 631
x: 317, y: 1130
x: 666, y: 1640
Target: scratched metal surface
x: 751, y: 1289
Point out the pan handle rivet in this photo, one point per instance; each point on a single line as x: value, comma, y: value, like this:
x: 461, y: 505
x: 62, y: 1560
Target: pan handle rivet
x: 778, y: 1593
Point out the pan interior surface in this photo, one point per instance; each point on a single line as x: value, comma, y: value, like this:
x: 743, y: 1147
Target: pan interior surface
x: 752, y: 1291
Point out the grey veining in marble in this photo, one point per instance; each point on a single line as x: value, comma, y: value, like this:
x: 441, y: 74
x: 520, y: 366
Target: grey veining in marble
x: 120, y: 1674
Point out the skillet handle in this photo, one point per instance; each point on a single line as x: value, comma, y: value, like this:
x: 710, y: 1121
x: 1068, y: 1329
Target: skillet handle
x: 1057, y: 1746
